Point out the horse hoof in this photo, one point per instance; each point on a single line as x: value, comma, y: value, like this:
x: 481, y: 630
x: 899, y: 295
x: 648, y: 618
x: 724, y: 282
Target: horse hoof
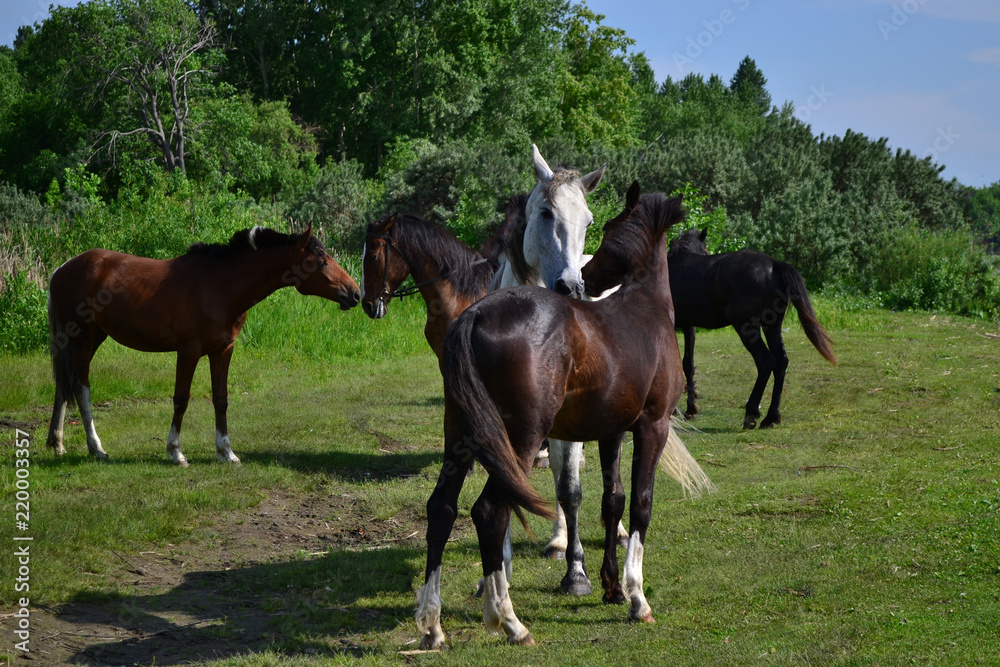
x: 623, y: 542
x: 770, y: 422
x: 578, y: 588
x: 645, y: 618
x: 749, y: 424
x: 432, y: 643
x: 616, y: 598
x: 526, y: 640
x: 481, y: 589
x: 101, y: 456
x: 555, y: 553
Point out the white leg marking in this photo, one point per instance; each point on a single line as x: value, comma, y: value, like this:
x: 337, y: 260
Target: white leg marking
x: 498, y: 612
x: 56, y: 428
x: 632, y: 581
x: 428, y: 614
x: 223, y: 450
x: 93, y: 442
x: 174, y: 452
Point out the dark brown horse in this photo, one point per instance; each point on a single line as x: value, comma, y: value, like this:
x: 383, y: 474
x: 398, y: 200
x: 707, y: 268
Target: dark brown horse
x: 525, y: 362
x: 749, y: 291
x: 194, y: 305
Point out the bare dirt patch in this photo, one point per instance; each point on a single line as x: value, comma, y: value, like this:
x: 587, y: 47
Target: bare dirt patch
x: 232, y: 589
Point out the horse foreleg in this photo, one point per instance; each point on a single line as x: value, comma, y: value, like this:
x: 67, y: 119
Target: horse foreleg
x: 762, y: 358
x: 777, y: 348
x: 491, y: 515
x: 566, y: 459
x: 219, y: 365
x: 442, y: 508
x: 691, y: 386
x: 648, y: 442
x: 612, y: 508
x: 556, y: 548
x: 186, y: 364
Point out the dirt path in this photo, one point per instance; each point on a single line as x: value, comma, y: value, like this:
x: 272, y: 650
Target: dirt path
x: 223, y: 594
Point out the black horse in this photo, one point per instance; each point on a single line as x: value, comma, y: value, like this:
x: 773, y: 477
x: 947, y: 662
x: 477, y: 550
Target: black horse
x: 749, y: 291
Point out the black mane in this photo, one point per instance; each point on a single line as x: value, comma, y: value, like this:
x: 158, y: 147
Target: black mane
x: 250, y: 240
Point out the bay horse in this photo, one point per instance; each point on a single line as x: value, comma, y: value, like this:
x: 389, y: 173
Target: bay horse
x: 449, y: 275
x: 525, y: 362
x: 749, y: 291
x: 194, y: 305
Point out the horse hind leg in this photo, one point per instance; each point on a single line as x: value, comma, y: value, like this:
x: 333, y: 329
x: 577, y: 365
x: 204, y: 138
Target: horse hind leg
x: 556, y: 548
x: 690, y: 385
x: 752, y: 340
x: 442, y: 509
x: 491, y: 515
x: 777, y: 347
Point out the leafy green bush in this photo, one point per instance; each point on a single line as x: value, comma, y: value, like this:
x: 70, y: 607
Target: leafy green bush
x: 921, y: 269
x: 23, y: 315
x: 339, y: 205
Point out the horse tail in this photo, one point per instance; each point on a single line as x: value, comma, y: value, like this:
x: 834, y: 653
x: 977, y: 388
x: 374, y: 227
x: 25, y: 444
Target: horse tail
x: 677, y: 462
x: 63, y: 369
x: 797, y: 294
x: 485, y: 432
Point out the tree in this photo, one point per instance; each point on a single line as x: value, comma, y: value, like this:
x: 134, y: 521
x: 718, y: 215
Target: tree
x: 159, y: 54
x: 749, y: 84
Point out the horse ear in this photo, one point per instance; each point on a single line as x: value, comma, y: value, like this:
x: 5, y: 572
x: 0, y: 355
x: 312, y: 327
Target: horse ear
x: 632, y: 197
x: 703, y: 235
x: 390, y: 222
x: 593, y: 179
x: 304, y: 238
x: 542, y: 170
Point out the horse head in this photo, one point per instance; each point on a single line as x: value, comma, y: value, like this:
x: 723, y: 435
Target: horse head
x: 631, y: 240
x: 692, y: 242
x: 383, y: 267
x: 557, y: 218
x: 316, y: 273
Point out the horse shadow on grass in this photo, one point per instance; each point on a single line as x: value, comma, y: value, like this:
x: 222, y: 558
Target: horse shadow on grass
x: 300, y: 606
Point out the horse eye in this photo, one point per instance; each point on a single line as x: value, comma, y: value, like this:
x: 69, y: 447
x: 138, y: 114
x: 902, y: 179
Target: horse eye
x: 547, y: 213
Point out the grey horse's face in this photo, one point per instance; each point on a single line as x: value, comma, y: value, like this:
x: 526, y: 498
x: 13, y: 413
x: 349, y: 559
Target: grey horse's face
x: 557, y: 221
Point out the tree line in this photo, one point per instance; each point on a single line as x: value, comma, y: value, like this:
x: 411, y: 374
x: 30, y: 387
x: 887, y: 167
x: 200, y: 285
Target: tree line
x: 211, y: 113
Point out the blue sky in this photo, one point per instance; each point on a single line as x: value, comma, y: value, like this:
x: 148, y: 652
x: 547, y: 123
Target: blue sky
x: 924, y: 73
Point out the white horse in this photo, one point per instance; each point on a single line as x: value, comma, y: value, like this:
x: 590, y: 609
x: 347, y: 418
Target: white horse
x: 546, y: 249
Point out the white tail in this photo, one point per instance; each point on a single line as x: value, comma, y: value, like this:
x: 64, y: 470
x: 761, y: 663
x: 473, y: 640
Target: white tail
x: 677, y: 462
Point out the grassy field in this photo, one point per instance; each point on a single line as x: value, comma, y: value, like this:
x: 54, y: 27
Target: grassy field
x: 863, y: 530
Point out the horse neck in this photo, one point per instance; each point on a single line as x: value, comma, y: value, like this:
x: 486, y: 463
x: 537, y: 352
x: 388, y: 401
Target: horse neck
x: 254, y: 276
x: 654, y: 281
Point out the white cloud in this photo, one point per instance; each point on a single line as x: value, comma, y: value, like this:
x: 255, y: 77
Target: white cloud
x: 987, y: 56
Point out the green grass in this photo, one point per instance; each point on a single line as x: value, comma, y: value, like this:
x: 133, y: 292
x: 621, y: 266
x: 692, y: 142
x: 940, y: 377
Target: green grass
x: 863, y: 530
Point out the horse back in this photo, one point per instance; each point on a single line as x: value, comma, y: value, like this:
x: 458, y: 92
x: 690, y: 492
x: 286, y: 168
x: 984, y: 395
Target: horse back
x: 146, y: 304
x: 716, y: 291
